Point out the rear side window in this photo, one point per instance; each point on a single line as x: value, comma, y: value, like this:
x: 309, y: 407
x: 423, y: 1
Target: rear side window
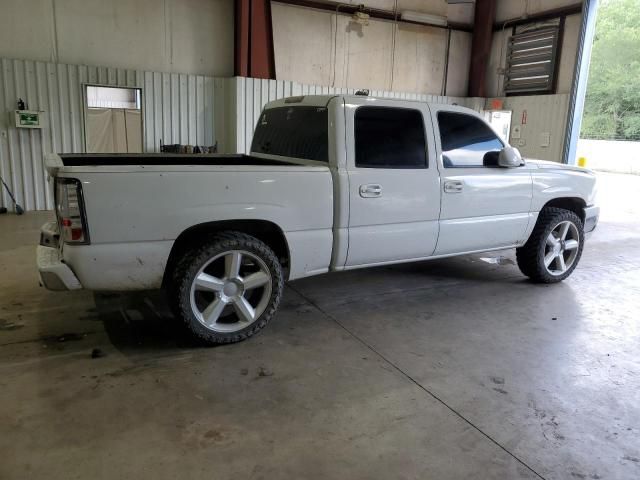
x: 389, y: 138
x: 298, y: 132
x: 466, y: 140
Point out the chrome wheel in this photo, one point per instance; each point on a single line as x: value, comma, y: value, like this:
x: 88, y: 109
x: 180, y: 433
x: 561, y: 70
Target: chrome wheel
x: 231, y: 291
x: 561, y: 248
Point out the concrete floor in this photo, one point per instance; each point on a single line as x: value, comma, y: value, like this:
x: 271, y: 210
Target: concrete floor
x: 438, y: 370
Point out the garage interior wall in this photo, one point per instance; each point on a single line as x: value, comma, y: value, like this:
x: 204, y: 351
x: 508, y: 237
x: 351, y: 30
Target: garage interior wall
x: 176, y: 108
x: 542, y: 119
x: 186, y: 36
x: 324, y: 48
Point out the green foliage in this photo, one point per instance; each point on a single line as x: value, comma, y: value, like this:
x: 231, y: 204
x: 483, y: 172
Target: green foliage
x: 612, y: 107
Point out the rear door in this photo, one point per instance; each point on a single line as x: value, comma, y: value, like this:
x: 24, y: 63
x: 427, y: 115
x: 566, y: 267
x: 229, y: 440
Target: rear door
x: 394, y: 192
x: 483, y: 206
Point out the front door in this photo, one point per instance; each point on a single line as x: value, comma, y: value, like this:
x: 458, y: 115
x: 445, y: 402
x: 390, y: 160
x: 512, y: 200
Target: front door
x: 394, y: 191
x: 483, y: 206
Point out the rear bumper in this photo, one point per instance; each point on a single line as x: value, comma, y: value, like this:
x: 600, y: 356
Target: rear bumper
x: 591, y: 216
x: 54, y: 273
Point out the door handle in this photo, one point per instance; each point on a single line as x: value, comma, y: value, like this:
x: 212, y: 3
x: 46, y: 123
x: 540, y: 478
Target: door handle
x: 453, y: 186
x: 371, y: 190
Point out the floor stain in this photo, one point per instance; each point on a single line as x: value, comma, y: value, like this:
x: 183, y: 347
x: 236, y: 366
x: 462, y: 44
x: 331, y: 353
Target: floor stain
x: 8, y: 326
x: 97, y: 353
x: 65, y: 337
x: 264, y: 372
x: 197, y: 435
x: 215, y: 436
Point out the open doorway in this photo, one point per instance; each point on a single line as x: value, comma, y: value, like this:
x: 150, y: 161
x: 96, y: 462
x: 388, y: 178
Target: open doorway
x: 113, y: 119
x: 610, y: 135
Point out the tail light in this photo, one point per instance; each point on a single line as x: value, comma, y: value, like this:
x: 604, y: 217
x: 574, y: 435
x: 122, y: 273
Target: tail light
x: 70, y: 211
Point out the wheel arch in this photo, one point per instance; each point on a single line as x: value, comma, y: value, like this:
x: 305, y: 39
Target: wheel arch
x: 264, y: 230
x: 573, y: 204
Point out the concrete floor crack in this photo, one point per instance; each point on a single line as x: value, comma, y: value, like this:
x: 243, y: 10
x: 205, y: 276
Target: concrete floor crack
x: 416, y: 383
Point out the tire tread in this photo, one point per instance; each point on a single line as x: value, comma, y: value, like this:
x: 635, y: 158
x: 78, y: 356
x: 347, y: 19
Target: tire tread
x: 180, y: 286
x: 529, y: 257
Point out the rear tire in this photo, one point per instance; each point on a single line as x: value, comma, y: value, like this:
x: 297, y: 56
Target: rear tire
x: 227, y: 289
x: 554, y: 247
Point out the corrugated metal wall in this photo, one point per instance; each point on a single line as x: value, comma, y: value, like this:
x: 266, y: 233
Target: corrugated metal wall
x: 177, y: 108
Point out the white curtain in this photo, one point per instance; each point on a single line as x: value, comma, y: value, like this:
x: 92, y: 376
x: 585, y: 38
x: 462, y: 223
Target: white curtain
x: 114, y: 130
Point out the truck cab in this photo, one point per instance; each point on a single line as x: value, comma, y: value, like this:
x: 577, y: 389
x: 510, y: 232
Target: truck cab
x: 411, y: 180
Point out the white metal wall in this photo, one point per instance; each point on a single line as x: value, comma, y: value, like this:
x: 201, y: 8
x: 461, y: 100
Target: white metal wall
x: 177, y: 108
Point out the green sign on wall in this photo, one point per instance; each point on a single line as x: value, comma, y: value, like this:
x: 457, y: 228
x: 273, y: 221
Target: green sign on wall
x: 27, y: 119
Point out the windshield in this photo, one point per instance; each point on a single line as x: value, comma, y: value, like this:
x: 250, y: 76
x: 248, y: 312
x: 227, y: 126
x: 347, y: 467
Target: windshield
x: 298, y: 132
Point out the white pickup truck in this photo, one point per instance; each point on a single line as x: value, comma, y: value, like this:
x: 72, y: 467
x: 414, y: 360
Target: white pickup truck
x: 332, y: 183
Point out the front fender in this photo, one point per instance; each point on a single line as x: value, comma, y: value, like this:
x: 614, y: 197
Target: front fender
x: 554, y: 184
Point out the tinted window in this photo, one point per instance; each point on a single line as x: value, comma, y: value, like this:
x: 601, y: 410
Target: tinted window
x: 389, y: 138
x: 298, y: 132
x: 466, y: 140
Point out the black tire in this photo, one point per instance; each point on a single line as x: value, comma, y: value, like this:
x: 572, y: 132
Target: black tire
x: 191, y: 263
x: 531, y: 256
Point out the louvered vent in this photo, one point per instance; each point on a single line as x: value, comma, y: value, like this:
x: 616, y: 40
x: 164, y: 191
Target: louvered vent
x: 531, y: 61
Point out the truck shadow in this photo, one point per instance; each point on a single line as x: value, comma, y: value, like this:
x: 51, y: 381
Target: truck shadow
x: 140, y: 321
x: 143, y: 322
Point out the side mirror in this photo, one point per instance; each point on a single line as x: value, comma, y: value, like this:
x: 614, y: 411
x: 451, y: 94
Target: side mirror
x: 510, y: 157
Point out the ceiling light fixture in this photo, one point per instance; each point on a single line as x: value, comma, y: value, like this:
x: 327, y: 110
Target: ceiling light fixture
x: 361, y: 18
x: 425, y: 18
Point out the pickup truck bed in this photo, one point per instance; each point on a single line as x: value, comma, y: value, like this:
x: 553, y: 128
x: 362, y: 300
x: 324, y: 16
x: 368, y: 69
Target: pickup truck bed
x: 154, y: 200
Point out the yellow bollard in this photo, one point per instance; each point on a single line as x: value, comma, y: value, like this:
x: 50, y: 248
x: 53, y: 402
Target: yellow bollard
x: 582, y: 161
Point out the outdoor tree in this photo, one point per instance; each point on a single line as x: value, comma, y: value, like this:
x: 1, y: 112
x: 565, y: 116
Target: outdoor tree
x: 612, y: 107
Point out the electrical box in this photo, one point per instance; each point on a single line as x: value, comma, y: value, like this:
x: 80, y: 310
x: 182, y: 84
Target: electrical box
x: 500, y: 120
x: 545, y: 139
x: 28, y: 118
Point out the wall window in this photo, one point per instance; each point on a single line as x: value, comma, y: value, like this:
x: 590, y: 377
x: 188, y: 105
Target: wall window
x: 113, y: 97
x: 531, y: 59
x: 113, y: 119
x: 466, y: 140
x: 390, y: 138
x: 297, y: 132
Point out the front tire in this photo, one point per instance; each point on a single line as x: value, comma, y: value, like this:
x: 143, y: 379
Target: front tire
x: 554, y: 247
x: 227, y: 289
